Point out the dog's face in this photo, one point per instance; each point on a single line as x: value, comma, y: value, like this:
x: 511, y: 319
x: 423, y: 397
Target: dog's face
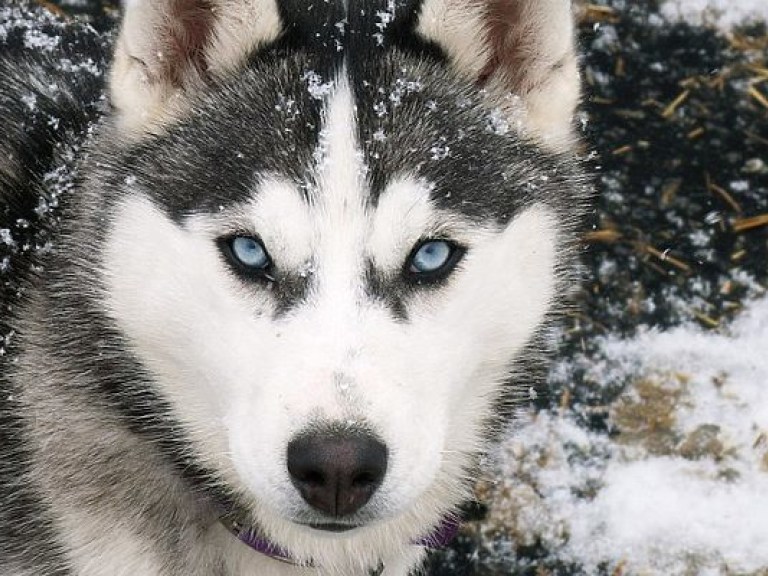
x: 330, y: 260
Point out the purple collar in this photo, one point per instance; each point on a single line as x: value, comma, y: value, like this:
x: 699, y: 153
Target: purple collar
x: 440, y: 537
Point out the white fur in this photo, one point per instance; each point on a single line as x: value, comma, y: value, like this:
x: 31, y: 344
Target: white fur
x: 241, y: 27
x: 90, y: 538
x: 244, y: 384
x: 459, y: 27
x: 101, y: 545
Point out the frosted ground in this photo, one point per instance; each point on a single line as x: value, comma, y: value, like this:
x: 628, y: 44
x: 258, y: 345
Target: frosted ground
x: 649, y: 454
x: 681, y: 487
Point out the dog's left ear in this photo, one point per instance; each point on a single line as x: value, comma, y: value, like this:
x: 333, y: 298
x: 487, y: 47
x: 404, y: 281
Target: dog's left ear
x: 168, y: 49
x: 522, y: 51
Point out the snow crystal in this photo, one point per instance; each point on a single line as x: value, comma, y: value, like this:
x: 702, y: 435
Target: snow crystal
x: 383, y: 19
x: 700, y: 238
x: 713, y: 217
x: 497, y: 122
x: 600, y: 77
x: 440, y: 151
x: 87, y: 65
x: 402, y: 87
x: 739, y: 185
x: 288, y: 107
x: 315, y: 85
x: 308, y: 269
x: 380, y: 109
x: 6, y: 237
x: 30, y: 101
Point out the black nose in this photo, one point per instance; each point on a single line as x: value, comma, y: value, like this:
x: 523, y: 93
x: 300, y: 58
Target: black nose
x: 337, y: 472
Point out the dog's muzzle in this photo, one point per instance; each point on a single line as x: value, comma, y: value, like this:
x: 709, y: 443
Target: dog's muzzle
x: 336, y: 470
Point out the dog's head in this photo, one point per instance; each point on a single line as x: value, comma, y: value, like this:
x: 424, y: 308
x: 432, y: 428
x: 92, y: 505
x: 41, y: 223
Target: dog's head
x: 336, y: 231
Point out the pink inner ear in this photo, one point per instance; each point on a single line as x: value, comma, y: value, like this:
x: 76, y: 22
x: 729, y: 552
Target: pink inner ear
x: 509, y: 37
x: 188, y: 29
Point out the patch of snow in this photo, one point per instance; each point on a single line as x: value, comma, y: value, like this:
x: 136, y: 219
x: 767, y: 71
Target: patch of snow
x: 723, y: 14
x: 668, y: 515
x: 681, y: 485
x: 39, y: 39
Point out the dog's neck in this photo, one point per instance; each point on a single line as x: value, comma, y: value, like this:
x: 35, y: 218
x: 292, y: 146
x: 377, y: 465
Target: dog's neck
x: 440, y: 537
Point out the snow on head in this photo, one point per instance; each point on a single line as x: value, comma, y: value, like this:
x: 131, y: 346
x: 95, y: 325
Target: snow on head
x: 680, y: 486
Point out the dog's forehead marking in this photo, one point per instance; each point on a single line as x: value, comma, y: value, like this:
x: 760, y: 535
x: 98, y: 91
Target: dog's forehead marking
x: 340, y: 213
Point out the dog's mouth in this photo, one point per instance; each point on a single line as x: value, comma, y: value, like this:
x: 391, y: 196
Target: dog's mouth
x: 332, y: 527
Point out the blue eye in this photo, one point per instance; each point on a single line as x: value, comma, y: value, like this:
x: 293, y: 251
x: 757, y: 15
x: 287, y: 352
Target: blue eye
x: 249, y: 253
x: 434, y: 258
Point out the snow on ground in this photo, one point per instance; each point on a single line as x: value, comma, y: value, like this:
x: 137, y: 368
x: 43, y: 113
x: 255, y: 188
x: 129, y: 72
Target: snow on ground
x: 721, y: 13
x: 681, y: 484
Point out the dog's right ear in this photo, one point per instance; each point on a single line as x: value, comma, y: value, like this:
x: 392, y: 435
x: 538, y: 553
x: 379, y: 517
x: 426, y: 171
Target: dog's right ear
x: 169, y: 48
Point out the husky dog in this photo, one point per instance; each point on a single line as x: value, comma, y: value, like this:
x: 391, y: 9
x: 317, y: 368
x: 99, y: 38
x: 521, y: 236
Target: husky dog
x: 301, y: 281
